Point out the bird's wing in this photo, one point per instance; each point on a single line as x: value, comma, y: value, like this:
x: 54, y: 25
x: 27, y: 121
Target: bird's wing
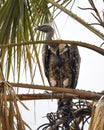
x: 75, y: 64
x: 45, y: 59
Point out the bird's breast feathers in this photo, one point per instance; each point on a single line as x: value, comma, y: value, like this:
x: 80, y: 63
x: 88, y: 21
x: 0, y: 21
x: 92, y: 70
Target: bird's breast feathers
x: 62, y: 48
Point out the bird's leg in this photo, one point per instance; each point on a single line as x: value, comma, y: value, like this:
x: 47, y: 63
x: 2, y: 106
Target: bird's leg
x: 64, y: 104
x: 53, y: 83
x: 65, y: 85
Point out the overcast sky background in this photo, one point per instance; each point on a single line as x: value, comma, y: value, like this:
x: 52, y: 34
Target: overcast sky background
x: 92, y: 64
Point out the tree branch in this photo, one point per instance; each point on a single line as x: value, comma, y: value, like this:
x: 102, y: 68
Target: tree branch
x: 74, y: 92
x: 82, y: 44
x: 43, y: 96
x: 56, y: 96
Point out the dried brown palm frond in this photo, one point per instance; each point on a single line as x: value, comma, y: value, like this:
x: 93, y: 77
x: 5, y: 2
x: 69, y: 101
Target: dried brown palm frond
x: 76, y: 120
x: 97, y: 116
x: 10, y: 116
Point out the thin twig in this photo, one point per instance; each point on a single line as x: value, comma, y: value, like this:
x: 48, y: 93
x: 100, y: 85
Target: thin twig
x: 77, y: 18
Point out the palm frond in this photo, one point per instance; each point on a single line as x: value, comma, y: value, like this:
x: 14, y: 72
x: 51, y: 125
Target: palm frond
x: 77, y: 18
x: 10, y: 114
x: 17, y: 21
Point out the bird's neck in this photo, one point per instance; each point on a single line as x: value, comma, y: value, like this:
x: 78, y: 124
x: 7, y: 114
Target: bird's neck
x: 53, y: 47
x: 49, y: 35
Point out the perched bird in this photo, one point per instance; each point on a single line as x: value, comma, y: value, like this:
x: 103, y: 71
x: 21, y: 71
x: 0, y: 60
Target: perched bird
x: 61, y: 66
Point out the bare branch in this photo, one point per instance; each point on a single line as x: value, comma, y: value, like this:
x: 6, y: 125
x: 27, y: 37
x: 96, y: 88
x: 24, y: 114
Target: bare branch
x: 95, y: 10
x: 77, y: 93
x: 96, y: 15
x: 77, y: 18
x: 82, y: 44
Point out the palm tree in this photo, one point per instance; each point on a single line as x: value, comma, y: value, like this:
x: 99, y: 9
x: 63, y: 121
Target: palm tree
x: 19, y: 50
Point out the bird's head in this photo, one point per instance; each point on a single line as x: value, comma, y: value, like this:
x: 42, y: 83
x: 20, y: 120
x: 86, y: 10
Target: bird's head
x: 46, y: 28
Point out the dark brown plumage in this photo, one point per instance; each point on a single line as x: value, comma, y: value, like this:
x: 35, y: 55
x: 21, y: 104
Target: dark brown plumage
x: 61, y: 61
x: 61, y: 66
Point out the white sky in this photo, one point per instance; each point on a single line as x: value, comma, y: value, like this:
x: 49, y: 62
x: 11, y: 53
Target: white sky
x: 92, y: 63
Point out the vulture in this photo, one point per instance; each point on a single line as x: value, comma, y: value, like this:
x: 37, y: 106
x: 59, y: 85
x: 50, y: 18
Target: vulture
x: 61, y: 66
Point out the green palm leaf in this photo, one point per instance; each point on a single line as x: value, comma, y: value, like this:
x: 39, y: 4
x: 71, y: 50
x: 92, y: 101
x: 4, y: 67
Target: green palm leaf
x: 17, y: 20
